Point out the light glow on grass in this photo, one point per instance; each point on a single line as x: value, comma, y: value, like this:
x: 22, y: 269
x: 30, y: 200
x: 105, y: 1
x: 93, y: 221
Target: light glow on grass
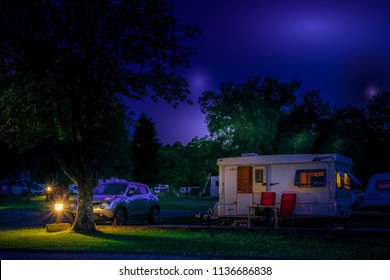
x: 235, y: 242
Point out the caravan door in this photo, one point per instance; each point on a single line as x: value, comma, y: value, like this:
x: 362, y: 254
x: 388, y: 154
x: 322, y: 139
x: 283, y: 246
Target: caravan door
x: 259, y: 182
x: 251, y: 182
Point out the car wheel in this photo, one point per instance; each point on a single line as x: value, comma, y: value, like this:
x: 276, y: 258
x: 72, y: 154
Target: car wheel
x: 154, y: 217
x: 120, y: 217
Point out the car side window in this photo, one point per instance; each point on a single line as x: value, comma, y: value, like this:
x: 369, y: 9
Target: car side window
x: 133, y: 190
x: 142, y: 189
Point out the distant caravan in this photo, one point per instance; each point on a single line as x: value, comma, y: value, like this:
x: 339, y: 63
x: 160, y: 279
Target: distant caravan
x: 377, y: 193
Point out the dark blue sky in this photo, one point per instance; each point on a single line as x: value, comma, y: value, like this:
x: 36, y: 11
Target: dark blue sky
x: 340, y: 47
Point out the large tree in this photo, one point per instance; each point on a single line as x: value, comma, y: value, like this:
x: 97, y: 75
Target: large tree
x: 244, y: 117
x: 65, y: 66
x: 145, y: 151
x: 174, y: 165
x: 202, y: 154
x: 378, y: 133
x: 299, y: 126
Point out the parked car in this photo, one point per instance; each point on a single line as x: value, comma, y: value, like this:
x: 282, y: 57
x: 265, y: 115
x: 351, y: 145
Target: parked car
x: 14, y: 187
x: 189, y: 190
x: 37, y: 189
x: 55, y: 193
x: 184, y: 190
x: 161, y: 189
x: 19, y: 187
x: 116, y: 202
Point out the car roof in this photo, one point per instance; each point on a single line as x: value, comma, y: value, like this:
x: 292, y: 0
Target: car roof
x: 123, y: 182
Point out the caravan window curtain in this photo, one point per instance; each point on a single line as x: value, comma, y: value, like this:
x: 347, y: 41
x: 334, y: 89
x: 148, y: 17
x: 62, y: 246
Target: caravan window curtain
x: 244, y: 182
x: 310, y: 178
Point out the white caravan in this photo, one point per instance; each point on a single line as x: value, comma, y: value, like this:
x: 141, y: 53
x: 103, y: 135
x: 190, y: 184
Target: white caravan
x: 377, y: 192
x: 322, y: 183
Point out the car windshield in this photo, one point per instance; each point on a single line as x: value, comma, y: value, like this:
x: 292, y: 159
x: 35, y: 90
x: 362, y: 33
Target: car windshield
x: 110, y: 189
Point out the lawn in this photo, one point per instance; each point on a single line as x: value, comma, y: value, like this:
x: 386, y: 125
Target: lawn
x: 238, y: 242
x: 185, y: 202
x: 171, y: 202
x: 37, y: 203
x: 280, y: 244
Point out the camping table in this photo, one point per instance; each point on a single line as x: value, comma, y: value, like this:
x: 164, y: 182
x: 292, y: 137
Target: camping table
x: 252, y: 213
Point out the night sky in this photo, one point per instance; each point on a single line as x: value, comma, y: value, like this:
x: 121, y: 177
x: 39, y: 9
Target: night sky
x: 340, y: 47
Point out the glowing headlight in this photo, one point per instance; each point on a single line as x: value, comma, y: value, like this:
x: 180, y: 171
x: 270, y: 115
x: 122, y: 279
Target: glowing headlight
x: 59, y: 206
x: 103, y: 205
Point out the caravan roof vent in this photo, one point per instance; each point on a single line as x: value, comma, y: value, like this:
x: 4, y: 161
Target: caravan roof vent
x: 249, y: 155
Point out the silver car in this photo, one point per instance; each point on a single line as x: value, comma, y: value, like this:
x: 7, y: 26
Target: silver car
x: 116, y: 202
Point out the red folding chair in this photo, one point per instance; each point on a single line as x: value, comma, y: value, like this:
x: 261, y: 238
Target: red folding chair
x: 287, y: 207
x: 267, y: 199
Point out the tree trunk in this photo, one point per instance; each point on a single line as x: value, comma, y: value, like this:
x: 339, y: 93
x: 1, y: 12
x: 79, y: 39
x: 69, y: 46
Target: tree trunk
x: 203, y: 190
x: 84, y: 221
x: 83, y: 176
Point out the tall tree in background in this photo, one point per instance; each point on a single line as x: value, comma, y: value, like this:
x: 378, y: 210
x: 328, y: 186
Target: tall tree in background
x: 378, y: 133
x: 145, y: 151
x: 299, y: 124
x: 202, y: 154
x: 244, y: 117
x: 174, y: 165
x: 65, y: 66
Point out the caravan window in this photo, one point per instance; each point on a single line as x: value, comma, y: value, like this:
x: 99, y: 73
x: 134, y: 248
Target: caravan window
x: 310, y: 178
x: 343, y: 179
x: 383, y: 185
x: 339, y: 182
x: 347, y: 181
x: 259, y: 175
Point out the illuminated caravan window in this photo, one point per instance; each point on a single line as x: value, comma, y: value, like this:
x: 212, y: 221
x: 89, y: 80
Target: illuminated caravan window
x: 347, y: 181
x: 344, y: 180
x: 339, y: 183
x: 311, y: 178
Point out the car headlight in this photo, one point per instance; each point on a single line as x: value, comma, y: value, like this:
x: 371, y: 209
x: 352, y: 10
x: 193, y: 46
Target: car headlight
x: 103, y: 205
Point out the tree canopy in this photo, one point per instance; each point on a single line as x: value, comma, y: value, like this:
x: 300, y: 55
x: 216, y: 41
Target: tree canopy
x: 245, y: 117
x: 65, y: 66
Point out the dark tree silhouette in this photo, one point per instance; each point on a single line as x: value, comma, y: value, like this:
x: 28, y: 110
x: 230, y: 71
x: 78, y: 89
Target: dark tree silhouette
x: 65, y: 66
x: 145, y: 151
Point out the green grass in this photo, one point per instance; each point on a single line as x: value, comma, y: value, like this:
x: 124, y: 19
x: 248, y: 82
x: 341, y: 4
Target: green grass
x: 171, y: 202
x: 256, y: 243
x: 238, y: 242
x: 185, y: 202
x: 37, y: 203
